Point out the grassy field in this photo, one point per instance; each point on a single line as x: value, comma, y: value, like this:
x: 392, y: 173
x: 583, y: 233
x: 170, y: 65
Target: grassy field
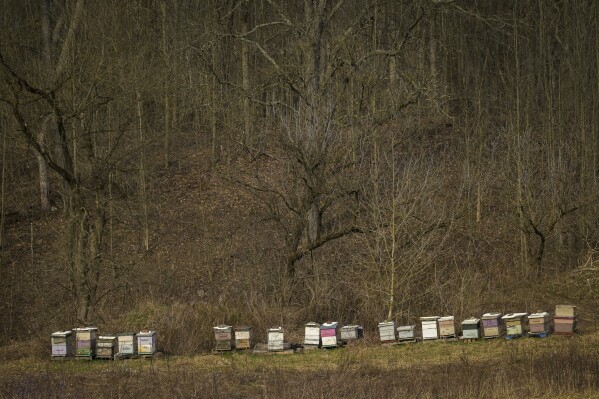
x: 556, y: 367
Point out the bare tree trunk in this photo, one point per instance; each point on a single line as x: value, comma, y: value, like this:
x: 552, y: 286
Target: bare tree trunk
x: 142, y: 174
x: 245, y: 77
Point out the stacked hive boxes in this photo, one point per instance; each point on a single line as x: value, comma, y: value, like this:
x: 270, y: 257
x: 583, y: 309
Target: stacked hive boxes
x: 243, y: 337
x: 471, y: 328
x: 224, y: 337
x: 106, y: 347
x: 85, y: 342
x: 446, y: 327
x: 493, y: 325
x: 539, y: 323
x: 312, y: 335
x: 565, y: 320
x: 515, y: 324
x: 387, y: 331
x: 430, y: 327
x: 62, y: 344
x: 146, y: 343
x: 329, y: 335
x: 127, y: 344
x: 276, y: 341
x: 351, y: 333
x: 406, y: 333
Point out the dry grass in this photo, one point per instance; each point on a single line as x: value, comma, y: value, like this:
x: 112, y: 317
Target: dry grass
x: 556, y: 366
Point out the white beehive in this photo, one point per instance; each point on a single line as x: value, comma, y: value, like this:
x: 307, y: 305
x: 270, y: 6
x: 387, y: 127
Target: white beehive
x: 515, y: 324
x: 312, y: 335
x: 127, y: 344
x: 430, y: 327
x: 62, y: 344
x: 146, y: 343
x: 471, y: 328
x: 406, y: 333
x: 351, y: 332
x: 538, y: 323
x: 276, y: 342
x: 387, y: 331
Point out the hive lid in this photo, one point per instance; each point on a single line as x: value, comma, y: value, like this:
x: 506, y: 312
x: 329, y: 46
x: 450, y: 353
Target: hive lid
x: 491, y: 315
x: 446, y: 318
x: 107, y: 337
x: 514, y: 315
x: 85, y: 329
x: 538, y: 315
x: 275, y: 329
x: 61, y: 333
x: 146, y: 333
x: 472, y: 320
x: 430, y: 318
x: 223, y: 327
x: 313, y: 324
x: 350, y: 327
x: 327, y: 326
x: 386, y: 323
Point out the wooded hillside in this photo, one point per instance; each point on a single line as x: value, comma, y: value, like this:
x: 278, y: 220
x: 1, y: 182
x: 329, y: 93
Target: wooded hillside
x: 176, y: 164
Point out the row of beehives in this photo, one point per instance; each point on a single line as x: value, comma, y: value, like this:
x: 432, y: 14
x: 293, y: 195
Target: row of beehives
x: 85, y: 343
x: 491, y: 325
x: 332, y: 335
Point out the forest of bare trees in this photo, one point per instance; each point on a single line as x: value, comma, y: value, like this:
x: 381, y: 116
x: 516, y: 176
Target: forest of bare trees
x: 180, y: 163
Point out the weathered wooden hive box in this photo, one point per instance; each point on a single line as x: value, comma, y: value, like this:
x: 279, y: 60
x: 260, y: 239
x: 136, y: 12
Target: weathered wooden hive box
x: 329, y: 335
x: 565, y: 320
x: 127, y: 344
x: 276, y: 342
x: 223, y: 336
x: 471, y: 328
x: 387, y: 331
x: 539, y: 322
x: 62, y: 344
x: 85, y: 342
x: 447, y: 327
x: 146, y: 343
x: 312, y: 335
x: 243, y: 337
x: 515, y: 324
x: 351, y: 332
x: 406, y: 333
x: 493, y: 325
x: 106, y: 347
x: 430, y: 327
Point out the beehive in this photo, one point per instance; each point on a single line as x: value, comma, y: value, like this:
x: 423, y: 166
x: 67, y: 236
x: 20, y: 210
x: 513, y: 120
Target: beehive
x: 85, y: 342
x: 387, y: 331
x: 406, y: 333
x: 276, y: 339
x: 127, y: 344
x: 447, y: 327
x: 471, y: 328
x: 62, y: 344
x: 224, y: 337
x: 106, y: 347
x: 351, y: 332
x: 243, y: 337
x: 430, y: 327
x: 493, y: 325
x: 312, y: 335
x: 564, y: 322
x: 329, y: 335
x: 146, y: 343
x: 539, y: 322
x: 515, y: 324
